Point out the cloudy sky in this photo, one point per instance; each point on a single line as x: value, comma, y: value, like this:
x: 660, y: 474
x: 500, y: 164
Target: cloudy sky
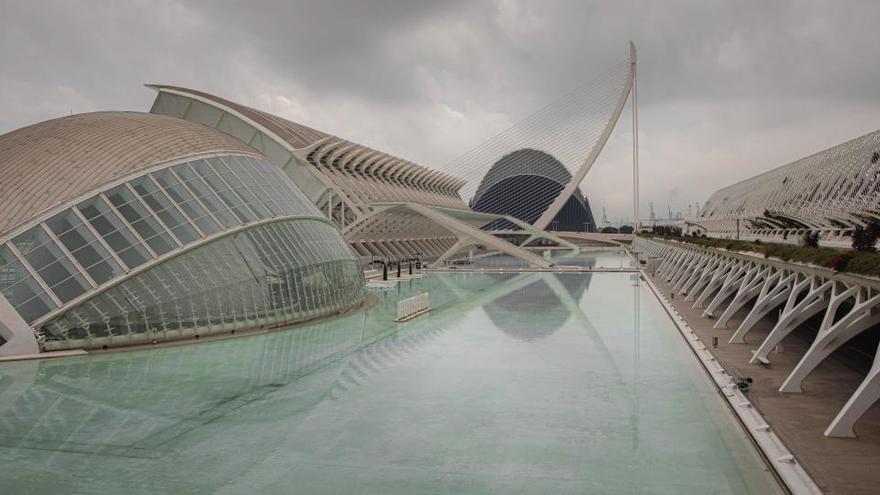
x: 726, y: 89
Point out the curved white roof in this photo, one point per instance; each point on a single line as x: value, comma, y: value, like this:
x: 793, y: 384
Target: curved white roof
x: 46, y: 163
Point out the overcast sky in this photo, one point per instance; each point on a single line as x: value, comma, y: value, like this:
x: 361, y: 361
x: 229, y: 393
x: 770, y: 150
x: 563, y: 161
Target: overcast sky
x: 726, y: 90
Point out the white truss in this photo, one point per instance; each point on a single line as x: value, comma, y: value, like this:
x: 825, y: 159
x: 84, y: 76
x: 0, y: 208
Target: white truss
x: 829, y: 192
x: 733, y: 282
x: 385, y: 206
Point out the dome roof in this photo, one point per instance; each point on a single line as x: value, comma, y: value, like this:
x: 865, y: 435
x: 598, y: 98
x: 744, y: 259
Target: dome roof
x: 47, y: 163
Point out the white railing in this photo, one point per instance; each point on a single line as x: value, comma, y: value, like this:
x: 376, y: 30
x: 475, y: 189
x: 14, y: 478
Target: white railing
x: 413, y: 306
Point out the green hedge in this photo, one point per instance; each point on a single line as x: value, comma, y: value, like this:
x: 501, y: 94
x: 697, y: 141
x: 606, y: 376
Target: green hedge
x: 864, y: 263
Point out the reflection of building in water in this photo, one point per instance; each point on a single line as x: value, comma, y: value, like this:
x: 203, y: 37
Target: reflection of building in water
x: 513, y: 312
x: 140, y: 404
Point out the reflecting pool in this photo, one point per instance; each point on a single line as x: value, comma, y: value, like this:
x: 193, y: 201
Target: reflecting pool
x: 515, y: 383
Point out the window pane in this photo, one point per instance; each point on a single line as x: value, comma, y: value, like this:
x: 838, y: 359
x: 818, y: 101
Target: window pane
x: 186, y: 202
x: 20, y: 289
x: 167, y: 212
x: 51, y: 264
x: 255, y: 182
x: 140, y: 219
x: 206, y: 195
x: 223, y: 190
x: 232, y: 179
x: 117, y: 235
x: 84, y: 247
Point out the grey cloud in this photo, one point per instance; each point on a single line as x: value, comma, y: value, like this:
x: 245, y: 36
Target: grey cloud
x: 727, y: 89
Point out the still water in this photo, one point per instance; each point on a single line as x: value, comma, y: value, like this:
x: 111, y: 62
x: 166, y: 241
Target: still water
x: 515, y: 383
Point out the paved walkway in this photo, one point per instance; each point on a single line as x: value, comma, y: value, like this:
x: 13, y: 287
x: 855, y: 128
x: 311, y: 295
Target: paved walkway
x: 838, y: 465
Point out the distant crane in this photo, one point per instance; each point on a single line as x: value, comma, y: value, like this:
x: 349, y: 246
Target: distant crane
x: 653, y: 217
x: 604, y: 217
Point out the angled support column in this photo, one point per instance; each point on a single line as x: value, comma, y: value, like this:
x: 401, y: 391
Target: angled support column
x: 536, y: 233
x: 476, y: 236
x: 686, y: 282
x: 459, y: 245
x: 859, y: 402
x: 774, y: 292
x: 693, y: 289
x: 686, y: 269
x: 19, y: 336
x: 833, y: 334
x: 718, y: 277
x: 751, y: 286
x: 729, y: 286
x: 795, y: 313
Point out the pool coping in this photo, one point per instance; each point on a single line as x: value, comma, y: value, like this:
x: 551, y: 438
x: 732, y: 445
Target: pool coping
x: 779, y: 458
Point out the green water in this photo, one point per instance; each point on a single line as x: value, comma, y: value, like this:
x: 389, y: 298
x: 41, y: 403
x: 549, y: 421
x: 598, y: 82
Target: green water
x: 515, y: 383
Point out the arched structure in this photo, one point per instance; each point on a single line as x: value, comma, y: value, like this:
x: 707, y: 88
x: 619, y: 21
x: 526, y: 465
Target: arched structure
x: 123, y: 227
x: 353, y: 185
x: 830, y: 192
x: 523, y: 184
x: 566, y: 136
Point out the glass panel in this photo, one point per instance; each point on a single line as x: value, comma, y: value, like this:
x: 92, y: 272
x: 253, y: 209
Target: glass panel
x: 227, y: 283
x: 111, y: 228
x: 243, y: 185
x: 185, y: 201
x: 255, y: 182
x: 223, y: 190
x: 206, y: 195
x: 51, y: 264
x: 84, y: 247
x: 162, y: 207
x: 140, y: 219
x: 20, y: 289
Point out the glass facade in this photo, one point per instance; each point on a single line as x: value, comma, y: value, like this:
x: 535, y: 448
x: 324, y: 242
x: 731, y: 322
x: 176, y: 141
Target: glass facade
x: 270, y: 274
x: 275, y: 271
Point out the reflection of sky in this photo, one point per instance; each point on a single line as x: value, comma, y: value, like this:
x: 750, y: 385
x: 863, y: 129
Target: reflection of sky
x: 455, y: 402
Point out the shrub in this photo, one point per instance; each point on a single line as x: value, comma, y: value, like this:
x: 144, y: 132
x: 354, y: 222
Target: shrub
x: 626, y: 229
x: 811, y: 239
x: 864, y: 263
x: 667, y: 230
x: 609, y: 230
x: 865, y: 238
x: 841, y: 263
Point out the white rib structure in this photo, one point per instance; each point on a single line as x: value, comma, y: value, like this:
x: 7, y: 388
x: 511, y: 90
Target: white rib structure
x: 830, y: 192
x: 724, y: 283
x: 386, y: 206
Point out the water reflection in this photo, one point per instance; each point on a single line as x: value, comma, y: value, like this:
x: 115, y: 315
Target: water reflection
x: 544, y: 296
x: 465, y: 392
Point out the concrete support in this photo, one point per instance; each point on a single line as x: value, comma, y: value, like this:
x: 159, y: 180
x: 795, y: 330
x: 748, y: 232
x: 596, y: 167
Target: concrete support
x: 725, y: 285
x: 774, y: 292
x: 714, y: 283
x: 833, y: 334
x: 850, y: 306
x: 695, y: 288
x: 19, y: 336
x: 795, y: 313
x: 863, y: 398
x: 749, y: 289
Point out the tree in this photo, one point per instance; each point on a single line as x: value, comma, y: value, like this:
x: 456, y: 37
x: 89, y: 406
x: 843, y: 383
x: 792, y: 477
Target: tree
x: 609, y: 230
x: 626, y: 229
x: 865, y: 238
x: 668, y: 230
x: 811, y: 239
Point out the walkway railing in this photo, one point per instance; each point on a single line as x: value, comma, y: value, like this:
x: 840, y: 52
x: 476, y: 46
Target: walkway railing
x: 723, y: 283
